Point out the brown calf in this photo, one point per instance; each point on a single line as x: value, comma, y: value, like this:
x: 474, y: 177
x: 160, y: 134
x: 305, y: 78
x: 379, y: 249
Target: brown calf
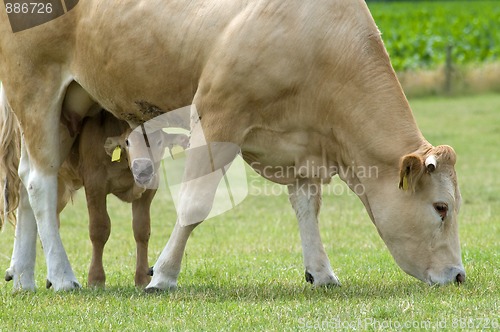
x: 89, y: 165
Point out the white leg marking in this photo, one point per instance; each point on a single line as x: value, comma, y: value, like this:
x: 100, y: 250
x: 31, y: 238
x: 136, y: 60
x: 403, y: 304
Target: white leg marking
x: 22, y: 265
x: 196, y: 200
x: 42, y: 190
x: 40, y: 181
x: 305, y: 197
x: 168, y: 266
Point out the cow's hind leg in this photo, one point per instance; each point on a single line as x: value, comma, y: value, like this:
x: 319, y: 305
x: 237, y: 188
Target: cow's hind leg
x: 305, y: 196
x: 141, y: 224
x: 202, y: 174
x: 22, y: 265
x: 39, y: 116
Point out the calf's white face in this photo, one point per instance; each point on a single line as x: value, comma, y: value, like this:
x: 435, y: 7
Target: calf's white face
x: 144, y: 152
x: 418, y: 220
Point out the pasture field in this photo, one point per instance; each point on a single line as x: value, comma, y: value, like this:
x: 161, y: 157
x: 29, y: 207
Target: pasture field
x: 243, y: 270
x: 417, y: 34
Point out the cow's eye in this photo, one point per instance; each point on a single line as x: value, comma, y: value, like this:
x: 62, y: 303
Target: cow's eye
x: 441, y: 209
x: 127, y: 143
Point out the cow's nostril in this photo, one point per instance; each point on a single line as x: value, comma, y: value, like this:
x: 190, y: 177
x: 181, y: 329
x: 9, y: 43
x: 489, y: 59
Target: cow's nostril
x: 460, y: 278
x: 146, y: 171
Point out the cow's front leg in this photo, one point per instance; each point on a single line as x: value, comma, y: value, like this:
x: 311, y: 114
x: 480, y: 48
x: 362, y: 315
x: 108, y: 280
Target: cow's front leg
x: 205, y: 166
x: 305, y: 197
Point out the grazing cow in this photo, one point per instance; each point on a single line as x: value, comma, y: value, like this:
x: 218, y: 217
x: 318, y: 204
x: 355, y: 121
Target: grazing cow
x: 295, y: 84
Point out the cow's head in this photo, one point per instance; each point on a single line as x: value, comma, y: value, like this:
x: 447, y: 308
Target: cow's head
x: 144, y: 152
x: 417, y: 218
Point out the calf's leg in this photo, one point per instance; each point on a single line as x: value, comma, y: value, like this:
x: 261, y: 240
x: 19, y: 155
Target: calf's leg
x: 99, y: 231
x: 141, y: 224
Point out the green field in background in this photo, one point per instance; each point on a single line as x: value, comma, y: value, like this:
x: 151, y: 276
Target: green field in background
x: 417, y: 34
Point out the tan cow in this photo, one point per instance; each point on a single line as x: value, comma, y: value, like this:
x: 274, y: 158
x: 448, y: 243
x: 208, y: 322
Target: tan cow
x: 293, y: 83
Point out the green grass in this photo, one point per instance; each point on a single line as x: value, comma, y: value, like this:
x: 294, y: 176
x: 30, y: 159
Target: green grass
x: 243, y: 270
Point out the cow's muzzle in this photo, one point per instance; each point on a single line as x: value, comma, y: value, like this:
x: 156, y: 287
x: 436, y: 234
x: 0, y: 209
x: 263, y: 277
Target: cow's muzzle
x: 453, y: 274
x: 143, y: 171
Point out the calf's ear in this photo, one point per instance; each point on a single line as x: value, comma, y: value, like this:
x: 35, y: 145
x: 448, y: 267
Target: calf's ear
x: 171, y: 140
x: 411, y: 169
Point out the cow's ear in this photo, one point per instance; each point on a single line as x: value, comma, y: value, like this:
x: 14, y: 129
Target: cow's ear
x: 111, y: 144
x: 445, y: 154
x: 411, y: 169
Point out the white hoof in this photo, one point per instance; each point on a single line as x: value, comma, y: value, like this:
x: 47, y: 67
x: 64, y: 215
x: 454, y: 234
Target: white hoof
x: 22, y: 281
x: 64, y: 285
x: 322, y: 279
x: 161, y: 284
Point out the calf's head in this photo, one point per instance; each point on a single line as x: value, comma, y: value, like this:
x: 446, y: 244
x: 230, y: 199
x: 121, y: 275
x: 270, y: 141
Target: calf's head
x: 417, y: 219
x: 144, y: 151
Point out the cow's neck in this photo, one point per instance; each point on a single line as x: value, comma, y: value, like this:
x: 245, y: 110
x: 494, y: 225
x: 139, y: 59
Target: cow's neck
x: 375, y: 130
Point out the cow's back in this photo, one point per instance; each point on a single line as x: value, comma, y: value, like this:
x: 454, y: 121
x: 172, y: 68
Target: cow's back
x: 266, y: 70
x: 162, y: 53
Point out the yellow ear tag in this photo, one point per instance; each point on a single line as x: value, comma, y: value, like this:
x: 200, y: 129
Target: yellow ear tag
x: 117, y: 154
x: 405, y: 182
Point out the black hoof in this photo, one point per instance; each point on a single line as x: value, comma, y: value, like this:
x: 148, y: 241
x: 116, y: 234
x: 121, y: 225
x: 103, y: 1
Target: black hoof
x: 309, y: 278
x: 8, y: 276
x: 48, y: 284
x: 150, y: 271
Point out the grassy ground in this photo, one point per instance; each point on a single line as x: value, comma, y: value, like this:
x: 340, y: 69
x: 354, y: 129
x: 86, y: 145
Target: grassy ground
x: 243, y: 270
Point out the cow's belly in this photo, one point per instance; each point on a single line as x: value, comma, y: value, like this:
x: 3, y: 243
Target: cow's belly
x: 283, y: 157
